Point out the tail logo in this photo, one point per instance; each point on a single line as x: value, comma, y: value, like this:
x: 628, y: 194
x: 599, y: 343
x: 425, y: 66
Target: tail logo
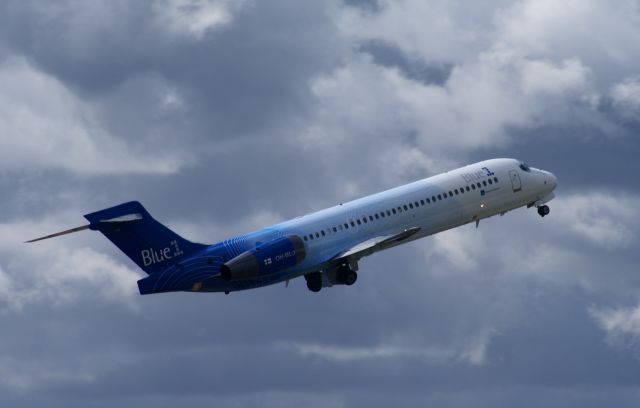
x: 153, y: 256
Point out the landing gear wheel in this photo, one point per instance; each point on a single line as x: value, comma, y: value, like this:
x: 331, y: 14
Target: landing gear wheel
x: 347, y: 276
x: 543, y: 210
x: 350, y: 278
x: 314, y: 281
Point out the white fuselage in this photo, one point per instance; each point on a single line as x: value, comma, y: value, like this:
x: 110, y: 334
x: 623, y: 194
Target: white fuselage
x: 457, y: 197
x: 326, y: 246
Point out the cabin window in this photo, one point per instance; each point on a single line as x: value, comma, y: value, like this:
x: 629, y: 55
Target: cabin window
x: 450, y: 193
x: 428, y: 201
x: 490, y: 181
x: 439, y: 197
x: 422, y: 202
x: 371, y: 218
x: 495, y: 179
x: 484, y: 183
x: 478, y: 185
x: 346, y: 226
x: 317, y: 235
x: 468, y: 189
x: 388, y: 213
x: 405, y: 207
x: 411, y: 206
x: 322, y: 232
x: 335, y: 229
x: 305, y: 238
x: 473, y: 186
x: 444, y: 195
x: 417, y: 204
x: 353, y: 224
x: 393, y: 210
x: 378, y: 217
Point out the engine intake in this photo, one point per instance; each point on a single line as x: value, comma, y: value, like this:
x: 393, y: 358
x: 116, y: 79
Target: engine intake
x: 266, y: 259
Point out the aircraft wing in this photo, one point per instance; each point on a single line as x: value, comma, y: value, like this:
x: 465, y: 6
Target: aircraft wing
x: 376, y: 244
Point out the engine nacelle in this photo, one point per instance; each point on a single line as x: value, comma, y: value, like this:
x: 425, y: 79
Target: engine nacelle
x: 268, y: 258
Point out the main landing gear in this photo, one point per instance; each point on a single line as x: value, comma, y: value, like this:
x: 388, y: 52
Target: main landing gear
x: 543, y: 210
x: 314, y: 281
x: 343, y: 275
x: 346, y: 275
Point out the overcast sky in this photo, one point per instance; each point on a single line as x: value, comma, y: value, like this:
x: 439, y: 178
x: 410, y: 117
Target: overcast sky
x: 222, y: 116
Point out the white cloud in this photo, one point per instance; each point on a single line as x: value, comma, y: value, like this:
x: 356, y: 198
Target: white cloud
x: 607, y: 220
x: 195, y: 18
x: 476, y: 351
x: 461, y: 247
x: 336, y: 353
x: 496, y: 87
x: 622, y: 320
x: 626, y: 97
x: 591, y: 30
x: 43, y: 124
x: 56, y: 272
x: 515, y: 65
x: 363, y: 105
x: 472, y: 350
x: 621, y: 325
x: 435, y: 30
x: 26, y: 376
x: 545, y: 77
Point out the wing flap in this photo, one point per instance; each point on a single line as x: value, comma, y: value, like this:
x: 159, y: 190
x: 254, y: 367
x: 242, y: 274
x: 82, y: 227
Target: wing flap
x: 377, y: 244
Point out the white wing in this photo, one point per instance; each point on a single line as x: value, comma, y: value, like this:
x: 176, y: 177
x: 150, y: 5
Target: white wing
x: 376, y: 244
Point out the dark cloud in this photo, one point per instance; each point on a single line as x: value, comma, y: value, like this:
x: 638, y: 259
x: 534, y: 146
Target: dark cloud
x: 389, y: 56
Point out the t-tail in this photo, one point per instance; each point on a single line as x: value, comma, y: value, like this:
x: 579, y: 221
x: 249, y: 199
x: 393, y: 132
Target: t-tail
x: 148, y: 243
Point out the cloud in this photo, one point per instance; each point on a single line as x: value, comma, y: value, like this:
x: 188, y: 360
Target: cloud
x: 342, y: 354
x: 44, y: 125
x: 607, y: 220
x: 195, y: 18
x: 626, y: 98
x: 473, y: 353
x: 226, y: 116
x: 621, y: 325
x: 497, y: 87
x: 591, y: 30
x: 543, y: 77
x: 54, y: 272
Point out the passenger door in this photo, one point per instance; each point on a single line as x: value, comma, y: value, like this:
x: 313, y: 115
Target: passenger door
x: 515, y: 181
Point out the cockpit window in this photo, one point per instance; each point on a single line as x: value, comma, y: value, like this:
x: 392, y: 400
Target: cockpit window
x: 524, y: 166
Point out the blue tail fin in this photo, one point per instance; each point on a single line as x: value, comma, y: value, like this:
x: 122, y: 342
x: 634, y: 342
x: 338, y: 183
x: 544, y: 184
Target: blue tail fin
x: 151, y: 245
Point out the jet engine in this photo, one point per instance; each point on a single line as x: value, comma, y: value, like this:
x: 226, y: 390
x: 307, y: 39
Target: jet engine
x: 268, y: 258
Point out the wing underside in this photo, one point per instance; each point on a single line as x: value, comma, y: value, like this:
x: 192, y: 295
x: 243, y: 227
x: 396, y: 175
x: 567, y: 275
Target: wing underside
x: 376, y: 244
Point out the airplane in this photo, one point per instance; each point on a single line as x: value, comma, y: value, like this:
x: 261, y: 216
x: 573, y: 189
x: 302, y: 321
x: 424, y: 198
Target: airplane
x: 325, y: 246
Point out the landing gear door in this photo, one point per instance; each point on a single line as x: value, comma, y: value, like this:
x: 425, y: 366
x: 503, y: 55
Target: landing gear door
x: 515, y: 181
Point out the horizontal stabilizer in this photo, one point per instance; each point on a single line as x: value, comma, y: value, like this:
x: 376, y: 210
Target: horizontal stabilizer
x: 57, y: 234
x: 123, y: 218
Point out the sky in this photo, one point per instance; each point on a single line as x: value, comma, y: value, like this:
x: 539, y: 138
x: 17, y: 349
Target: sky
x: 224, y: 116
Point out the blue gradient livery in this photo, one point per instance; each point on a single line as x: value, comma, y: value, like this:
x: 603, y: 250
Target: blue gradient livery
x: 324, y: 246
